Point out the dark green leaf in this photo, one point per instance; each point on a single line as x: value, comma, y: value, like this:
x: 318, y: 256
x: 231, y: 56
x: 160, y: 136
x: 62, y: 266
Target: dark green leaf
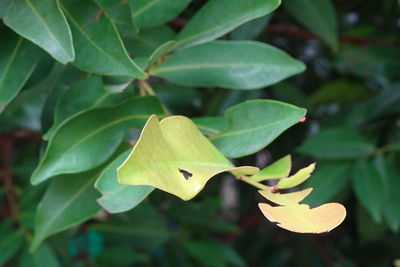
x: 328, y: 181
x: 250, y: 30
x: 18, y: 59
x: 317, y: 15
x: 370, y: 61
x: 42, y: 22
x: 234, y: 65
x: 116, y: 197
x: 85, y: 94
x: 86, y: 141
x: 144, y: 224
x: 253, y: 125
x: 339, y: 91
x: 213, y: 253
x: 147, y: 41
x: 211, y: 125
x: 99, y: 48
x: 43, y: 256
x: 150, y: 13
x: 70, y: 200
x: 10, y: 241
x: 390, y: 175
x: 113, y: 257
x: 369, y: 188
x: 336, y: 143
x: 218, y: 17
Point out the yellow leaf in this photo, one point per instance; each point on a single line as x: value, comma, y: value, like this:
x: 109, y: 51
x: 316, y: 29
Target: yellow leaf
x: 300, y: 218
x: 174, y: 156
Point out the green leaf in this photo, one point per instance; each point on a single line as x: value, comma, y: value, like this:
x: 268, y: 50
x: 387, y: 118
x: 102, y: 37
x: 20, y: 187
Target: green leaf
x: 328, y: 180
x: 339, y: 91
x: 10, y: 242
x: 389, y: 174
x: 143, y: 223
x: 218, y: 17
x: 297, y: 178
x: 78, y: 98
x: 250, y: 30
x: 18, y: 59
x: 148, y: 40
x: 369, y: 188
x: 253, y: 125
x: 119, y: 198
x: 86, y: 141
x: 174, y: 156
x: 318, y: 16
x: 213, y: 253
x: 70, y: 200
x: 150, y: 13
x: 336, y: 143
x: 370, y: 61
x: 211, y: 125
x: 43, y: 256
x: 279, y: 169
x: 161, y: 51
x: 229, y: 64
x: 42, y: 22
x: 299, y: 218
x: 99, y: 48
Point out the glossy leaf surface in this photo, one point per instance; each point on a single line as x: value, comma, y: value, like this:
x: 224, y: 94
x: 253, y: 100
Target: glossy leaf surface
x: 150, y: 13
x: 116, y: 197
x: 174, y: 156
x: 18, y: 59
x: 42, y: 22
x: 253, y: 125
x: 99, y: 48
x: 86, y: 94
x: 85, y: 141
x: 70, y: 200
x: 235, y: 65
x: 216, y: 18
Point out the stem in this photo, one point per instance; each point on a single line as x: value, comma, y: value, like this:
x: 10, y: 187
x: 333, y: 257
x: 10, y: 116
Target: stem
x: 145, y: 88
x: 256, y: 184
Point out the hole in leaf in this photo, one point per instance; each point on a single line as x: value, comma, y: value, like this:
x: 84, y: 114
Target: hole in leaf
x: 185, y: 174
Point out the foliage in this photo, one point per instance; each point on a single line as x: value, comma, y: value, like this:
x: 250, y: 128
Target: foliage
x: 102, y: 102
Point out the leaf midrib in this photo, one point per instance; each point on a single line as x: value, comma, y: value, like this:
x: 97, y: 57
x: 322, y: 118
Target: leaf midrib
x: 67, y: 203
x: 204, y: 66
x: 144, y: 8
x: 99, y: 48
x: 10, y: 61
x: 35, y: 11
x: 247, y: 130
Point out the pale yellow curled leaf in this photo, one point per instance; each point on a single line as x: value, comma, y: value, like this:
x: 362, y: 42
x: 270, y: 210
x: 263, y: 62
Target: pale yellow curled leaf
x: 174, y: 156
x: 279, y: 169
x: 300, y: 218
x: 297, y: 178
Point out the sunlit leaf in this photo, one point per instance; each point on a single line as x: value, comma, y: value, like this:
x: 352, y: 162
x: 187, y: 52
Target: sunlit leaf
x: 279, y: 169
x: 296, y: 179
x: 116, y: 197
x: 296, y: 217
x: 174, y: 156
x: 253, y: 125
